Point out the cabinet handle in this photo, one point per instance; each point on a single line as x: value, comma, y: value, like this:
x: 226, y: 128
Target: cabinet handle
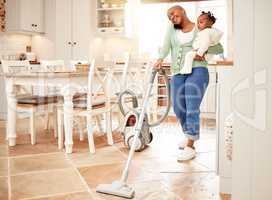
x: 74, y: 43
x: 32, y: 25
x: 69, y: 42
x: 36, y: 25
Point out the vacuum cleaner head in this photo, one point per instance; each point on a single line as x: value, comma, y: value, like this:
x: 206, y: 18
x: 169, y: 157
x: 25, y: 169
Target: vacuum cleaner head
x: 117, y: 188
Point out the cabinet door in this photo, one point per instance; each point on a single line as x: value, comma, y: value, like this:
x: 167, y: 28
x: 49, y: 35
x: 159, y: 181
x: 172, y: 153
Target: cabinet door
x: 37, y: 9
x: 208, y: 104
x: 31, y: 15
x: 63, y: 30
x: 26, y: 21
x: 81, y: 29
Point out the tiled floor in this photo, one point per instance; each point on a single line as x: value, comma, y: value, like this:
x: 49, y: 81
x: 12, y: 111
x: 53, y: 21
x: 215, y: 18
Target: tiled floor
x: 42, y: 172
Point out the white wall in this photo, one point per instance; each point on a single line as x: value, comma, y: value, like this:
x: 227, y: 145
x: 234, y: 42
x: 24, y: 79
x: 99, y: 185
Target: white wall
x: 114, y: 46
x: 11, y: 44
x: 251, y: 101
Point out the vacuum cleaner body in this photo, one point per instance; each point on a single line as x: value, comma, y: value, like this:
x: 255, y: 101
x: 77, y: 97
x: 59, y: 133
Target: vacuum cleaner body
x: 128, y: 131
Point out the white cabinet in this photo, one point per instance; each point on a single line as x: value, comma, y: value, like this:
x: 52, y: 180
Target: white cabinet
x: 208, y: 104
x: 110, y: 16
x: 73, y: 29
x: 25, y: 16
x: 224, y: 165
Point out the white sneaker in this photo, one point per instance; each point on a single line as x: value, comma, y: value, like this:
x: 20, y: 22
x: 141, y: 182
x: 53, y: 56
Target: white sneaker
x: 183, y: 143
x: 187, y: 154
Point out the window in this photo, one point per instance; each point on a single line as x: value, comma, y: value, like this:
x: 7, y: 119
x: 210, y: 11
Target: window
x: 153, y: 22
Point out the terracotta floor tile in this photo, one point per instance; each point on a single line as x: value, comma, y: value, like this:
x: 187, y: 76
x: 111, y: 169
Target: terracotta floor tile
x: 163, y: 145
x: 150, y: 190
x: 206, y: 145
x: 169, y: 165
x: 3, y: 188
x: 100, y: 141
x: 155, y: 172
x: 95, y: 175
x: 2, y: 133
x: 46, y: 183
x: 46, y: 143
x: 73, y: 196
x: 193, y: 186
x: 3, y: 150
x: 153, y: 190
x: 207, y: 159
x: 225, y: 197
x: 105, y: 155
x: 3, y: 167
x: 38, y: 163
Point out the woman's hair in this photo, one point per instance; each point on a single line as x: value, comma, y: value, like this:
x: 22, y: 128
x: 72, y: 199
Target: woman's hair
x: 210, y: 16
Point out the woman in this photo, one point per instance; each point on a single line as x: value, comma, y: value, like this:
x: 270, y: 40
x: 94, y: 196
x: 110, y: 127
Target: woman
x: 188, y: 89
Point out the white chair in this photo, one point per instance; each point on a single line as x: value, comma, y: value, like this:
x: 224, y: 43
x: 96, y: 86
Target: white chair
x: 135, y: 77
x: 82, y: 96
x: 97, y: 103
x: 34, y: 105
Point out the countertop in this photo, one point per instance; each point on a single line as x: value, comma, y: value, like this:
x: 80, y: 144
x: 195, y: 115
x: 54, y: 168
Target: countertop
x: 217, y: 64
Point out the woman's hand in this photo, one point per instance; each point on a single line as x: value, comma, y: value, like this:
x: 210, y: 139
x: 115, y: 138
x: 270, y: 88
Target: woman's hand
x: 199, y: 58
x: 158, y: 64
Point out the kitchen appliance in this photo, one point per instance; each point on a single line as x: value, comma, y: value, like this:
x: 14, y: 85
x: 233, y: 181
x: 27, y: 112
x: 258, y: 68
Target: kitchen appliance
x: 31, y: 56
x: 120, y: 187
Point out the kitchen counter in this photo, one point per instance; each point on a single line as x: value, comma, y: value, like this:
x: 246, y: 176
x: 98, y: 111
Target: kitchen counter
x: 217, y: 64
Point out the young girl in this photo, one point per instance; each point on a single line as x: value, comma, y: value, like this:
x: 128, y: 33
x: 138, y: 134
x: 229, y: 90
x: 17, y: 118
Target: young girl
x: 206, y: 37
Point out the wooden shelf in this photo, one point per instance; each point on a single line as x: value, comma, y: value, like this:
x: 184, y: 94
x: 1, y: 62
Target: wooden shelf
x: 108, y: 9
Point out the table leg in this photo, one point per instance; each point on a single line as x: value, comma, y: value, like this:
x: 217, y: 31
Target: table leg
x: 68, y: 122
x: 11, y: 113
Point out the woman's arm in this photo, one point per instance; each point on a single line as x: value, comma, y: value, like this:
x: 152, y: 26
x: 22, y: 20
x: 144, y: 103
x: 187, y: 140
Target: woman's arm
x: 166, y: 43
x: 165, y: 48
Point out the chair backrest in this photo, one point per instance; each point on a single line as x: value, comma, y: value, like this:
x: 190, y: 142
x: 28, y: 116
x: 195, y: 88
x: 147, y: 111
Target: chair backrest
x: 137, y: 75
x: 15, y: 66
x: 124, y: 77
x: 99, y: 82
x: 52, y: 65
x: 119, y: 67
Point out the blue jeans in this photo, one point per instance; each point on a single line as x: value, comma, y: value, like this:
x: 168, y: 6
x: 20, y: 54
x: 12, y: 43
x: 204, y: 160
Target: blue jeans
x: 187, y: 91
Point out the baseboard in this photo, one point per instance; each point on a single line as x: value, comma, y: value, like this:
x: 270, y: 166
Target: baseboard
x: 208, y: 115
x: 225, y: 185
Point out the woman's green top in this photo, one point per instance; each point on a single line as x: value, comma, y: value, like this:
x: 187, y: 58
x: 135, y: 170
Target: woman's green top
x: 178, y: 50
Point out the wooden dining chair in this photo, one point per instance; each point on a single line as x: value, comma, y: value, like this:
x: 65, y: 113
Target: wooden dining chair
x: 33, y: 105
x: 97, y: 103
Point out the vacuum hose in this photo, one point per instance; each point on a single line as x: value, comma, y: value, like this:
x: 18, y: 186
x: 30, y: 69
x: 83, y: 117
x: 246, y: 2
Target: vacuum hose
x: 135, y: 100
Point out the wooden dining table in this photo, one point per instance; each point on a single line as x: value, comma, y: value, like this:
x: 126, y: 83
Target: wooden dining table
x: 68, y: 83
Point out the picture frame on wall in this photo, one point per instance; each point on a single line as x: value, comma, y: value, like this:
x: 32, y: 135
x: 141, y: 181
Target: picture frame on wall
x: 2, y: 16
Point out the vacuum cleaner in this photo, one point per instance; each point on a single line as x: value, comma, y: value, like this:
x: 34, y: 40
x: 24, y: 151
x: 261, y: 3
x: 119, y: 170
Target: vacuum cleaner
x: 138, y: 137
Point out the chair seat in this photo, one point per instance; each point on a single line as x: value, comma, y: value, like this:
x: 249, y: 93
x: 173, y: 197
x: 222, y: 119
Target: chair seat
x: 38, y: 100
x: 82, y: 103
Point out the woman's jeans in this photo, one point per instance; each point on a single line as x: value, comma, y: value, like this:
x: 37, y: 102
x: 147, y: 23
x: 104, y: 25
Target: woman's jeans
x: 187, y: 93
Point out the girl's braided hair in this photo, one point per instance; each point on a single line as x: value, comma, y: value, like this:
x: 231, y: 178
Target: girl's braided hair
x: 210, y: 16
